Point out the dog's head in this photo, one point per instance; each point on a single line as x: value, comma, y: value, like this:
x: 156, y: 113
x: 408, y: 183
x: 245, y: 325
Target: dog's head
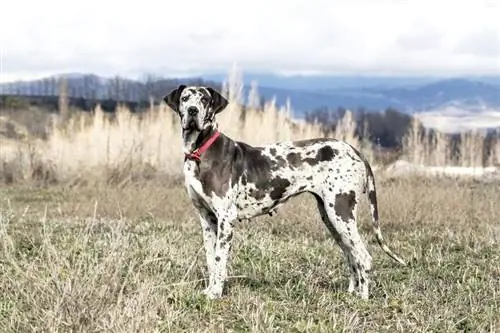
x: 196, y: 106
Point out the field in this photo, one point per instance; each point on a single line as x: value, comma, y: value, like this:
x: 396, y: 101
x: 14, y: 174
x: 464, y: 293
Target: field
x: 131, y: 260
x: 97, y: 235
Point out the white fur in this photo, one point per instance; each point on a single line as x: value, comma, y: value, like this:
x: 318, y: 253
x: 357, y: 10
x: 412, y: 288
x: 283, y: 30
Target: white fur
x: 337, y: 181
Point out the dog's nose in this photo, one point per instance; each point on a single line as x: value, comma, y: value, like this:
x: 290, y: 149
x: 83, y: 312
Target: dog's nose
x: 192, y: 111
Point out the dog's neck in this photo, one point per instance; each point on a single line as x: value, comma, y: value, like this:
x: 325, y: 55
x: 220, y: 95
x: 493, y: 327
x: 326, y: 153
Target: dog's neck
x: 193, y: 140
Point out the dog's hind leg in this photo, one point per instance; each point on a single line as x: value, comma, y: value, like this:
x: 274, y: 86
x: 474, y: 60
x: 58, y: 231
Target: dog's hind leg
x: 338, y: 212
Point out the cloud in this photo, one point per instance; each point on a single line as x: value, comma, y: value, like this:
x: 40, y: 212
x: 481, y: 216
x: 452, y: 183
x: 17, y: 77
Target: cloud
x: 484, y: 43
x: 175, y: 37
x: 421, y: 36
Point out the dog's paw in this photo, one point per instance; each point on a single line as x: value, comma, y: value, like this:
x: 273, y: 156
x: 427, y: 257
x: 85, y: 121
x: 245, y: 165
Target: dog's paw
x: 211, y: 293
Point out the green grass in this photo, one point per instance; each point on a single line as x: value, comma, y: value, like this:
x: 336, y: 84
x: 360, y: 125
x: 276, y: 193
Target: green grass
x: 131, y: 260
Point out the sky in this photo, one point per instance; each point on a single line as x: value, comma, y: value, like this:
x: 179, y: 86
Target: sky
x: 177, y: 38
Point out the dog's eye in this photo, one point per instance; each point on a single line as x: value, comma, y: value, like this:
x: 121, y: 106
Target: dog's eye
x: 204, y: 100
x: 185, y: 98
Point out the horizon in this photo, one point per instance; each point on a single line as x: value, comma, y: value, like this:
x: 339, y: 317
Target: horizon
x: 6, y: 78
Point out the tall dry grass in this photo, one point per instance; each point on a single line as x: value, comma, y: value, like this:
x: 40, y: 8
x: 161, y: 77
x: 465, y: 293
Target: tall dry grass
x: 126, y: 145
x: 422, y: 147
x: 118, y: 148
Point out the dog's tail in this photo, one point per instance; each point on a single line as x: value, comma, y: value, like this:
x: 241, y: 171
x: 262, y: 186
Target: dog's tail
x: 372, y: 198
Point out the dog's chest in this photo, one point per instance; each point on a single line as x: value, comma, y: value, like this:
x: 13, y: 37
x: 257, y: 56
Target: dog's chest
x: 193, y: 185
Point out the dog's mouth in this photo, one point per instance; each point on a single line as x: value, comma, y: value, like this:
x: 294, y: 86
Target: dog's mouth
x: 192, y: 125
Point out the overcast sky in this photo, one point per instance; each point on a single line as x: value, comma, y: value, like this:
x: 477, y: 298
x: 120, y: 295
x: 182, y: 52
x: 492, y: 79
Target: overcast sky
x: 174, y: 37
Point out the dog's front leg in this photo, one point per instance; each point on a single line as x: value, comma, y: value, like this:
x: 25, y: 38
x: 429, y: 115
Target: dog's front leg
x: 222, y: 252
x: 209, y: 227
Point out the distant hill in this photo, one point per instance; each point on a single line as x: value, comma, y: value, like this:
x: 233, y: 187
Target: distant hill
x: 412, y: 97
x: 324, y: 82
x: 305, y: 93
x: 328, y: 82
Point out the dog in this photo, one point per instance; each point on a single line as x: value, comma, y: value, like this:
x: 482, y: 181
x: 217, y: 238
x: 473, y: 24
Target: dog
x: 229, y: 181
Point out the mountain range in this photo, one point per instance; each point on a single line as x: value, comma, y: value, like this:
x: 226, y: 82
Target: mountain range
x: 306, y: 93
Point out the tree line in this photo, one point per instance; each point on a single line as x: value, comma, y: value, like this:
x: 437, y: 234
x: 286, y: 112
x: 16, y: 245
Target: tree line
x: 92, y: 87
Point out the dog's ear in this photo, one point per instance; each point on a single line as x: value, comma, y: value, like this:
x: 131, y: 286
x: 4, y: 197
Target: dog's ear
x: 219, y: 103
x: 173, y: 98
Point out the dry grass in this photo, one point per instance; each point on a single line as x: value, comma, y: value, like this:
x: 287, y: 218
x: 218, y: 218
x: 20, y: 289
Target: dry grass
x: 129, y: 260
x: 436, y: 150
x: 80, y: 147
x: 125, y: 147
x: 111, y: 243
x: 83, y: 147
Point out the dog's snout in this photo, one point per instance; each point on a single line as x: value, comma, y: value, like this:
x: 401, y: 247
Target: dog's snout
x: 192, y: 111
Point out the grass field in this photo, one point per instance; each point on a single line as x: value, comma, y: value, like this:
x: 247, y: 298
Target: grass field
x: 130, y: 259
x: 97, y: 235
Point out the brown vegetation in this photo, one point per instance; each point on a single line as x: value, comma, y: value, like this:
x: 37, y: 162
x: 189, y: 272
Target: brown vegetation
x: 122, y: 251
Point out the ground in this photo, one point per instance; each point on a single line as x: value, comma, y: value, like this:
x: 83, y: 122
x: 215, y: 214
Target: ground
x: 130, y: 259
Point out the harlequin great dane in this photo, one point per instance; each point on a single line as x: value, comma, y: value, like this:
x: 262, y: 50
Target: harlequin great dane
x: 229, y: 180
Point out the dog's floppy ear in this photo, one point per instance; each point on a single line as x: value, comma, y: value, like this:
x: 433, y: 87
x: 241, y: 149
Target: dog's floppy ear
x: 219, y: 103
x: 173, y: 98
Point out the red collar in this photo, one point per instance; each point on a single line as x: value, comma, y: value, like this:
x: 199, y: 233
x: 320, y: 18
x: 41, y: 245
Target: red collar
x: 196, y: 154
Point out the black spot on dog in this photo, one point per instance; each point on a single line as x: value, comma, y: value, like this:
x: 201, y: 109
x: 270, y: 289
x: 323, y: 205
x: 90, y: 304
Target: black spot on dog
x: 217, y: 258
x: 279, y: 186
x: 294, y: 159
x: 205, y: 101
x: 281, y: 162
x: 344, y: 205
x: 258, y: 194
x: 325, y: 153
x: 273, y: 151
x: 258, y: 169
x: 228, y: 239
x: 302, y: 188
x: 372, y: 197
x: 309, y: 177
